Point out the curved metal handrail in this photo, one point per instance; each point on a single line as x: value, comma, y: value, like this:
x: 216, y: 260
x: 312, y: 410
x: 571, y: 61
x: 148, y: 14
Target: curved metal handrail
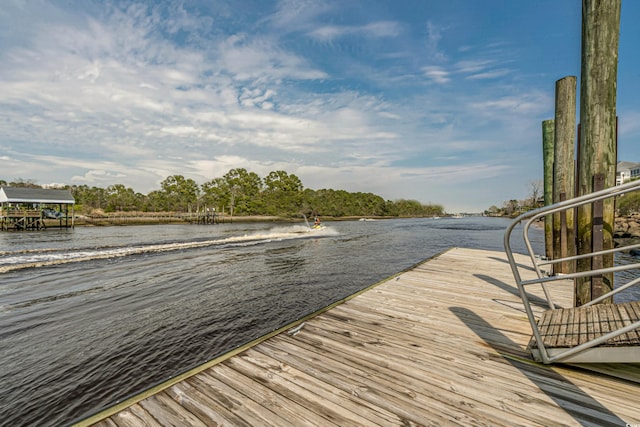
x: 529, y: 218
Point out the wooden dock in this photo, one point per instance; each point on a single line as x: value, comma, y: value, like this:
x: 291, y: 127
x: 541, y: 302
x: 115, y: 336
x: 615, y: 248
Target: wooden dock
x: 444, y: 343
x: 21, y: 219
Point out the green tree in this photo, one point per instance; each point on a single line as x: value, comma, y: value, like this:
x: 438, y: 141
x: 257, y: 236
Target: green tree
x: 628, y: 204
x: 120, y: 198
x: 493, y: 210
x: 244, y: 188
x: 181, y: 193
x: 404, y: 207
x: 511, y: 207
x: 25, y: 183
x: 408, y: 207
x: 370, y: 204
x: 282, y: 194
x: 89, y: 197
x: 216, y: 193
x: 244, y: 193
x: 155, y: 201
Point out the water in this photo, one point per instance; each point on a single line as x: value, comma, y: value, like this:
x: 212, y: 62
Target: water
x: 92, y: 315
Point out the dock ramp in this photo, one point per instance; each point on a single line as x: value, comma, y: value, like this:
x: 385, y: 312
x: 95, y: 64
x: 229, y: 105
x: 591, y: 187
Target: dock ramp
x: 595, y: 332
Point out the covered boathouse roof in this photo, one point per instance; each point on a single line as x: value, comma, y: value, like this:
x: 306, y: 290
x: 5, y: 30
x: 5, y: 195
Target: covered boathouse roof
x: 35, y: 195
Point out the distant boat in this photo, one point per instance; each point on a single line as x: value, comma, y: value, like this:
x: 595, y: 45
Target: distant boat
x: 50, y: 213
x: 366, y: 219
x: 457, y: 216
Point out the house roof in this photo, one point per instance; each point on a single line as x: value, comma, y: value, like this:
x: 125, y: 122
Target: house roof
x: 35, y: 195
x: 621, y: 166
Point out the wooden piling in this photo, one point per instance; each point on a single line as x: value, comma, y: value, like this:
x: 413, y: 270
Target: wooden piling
x: 548, y: 133
x: 563, y: 171
x: 598, y: 156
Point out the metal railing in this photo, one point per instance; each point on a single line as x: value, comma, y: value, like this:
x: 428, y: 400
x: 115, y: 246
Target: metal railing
x: 543, y: 278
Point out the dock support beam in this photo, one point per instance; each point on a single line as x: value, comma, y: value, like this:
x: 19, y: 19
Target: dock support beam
x: 597, y: 145
x: 563, y: 171
x: 548, y: 150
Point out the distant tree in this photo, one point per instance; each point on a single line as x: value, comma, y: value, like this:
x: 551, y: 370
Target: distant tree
x: 155, y: 201
x: 310, y: 202
x: 89, y: 197
x: 408, y: 207
x: 24, y: 183
x: 243, y: 193
x: 535, y: 191
x: 628, y: 204
x: 511, y: 207
x: 181, y: 193
x: 216, y: 194
x: 282, y: 194
x: 369, y: 204
x: 434, y: 209
x: 120, y: 198
x: 328, y: 202
x: 244, y: 188
x: 493, y: 210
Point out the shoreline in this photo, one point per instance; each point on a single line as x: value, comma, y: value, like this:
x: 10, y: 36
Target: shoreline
x: 626, y: 229
x: 178, y: 218
x: 124, y: 220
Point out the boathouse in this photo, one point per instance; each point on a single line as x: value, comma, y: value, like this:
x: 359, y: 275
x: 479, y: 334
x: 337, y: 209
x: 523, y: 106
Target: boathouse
x: 35, y: 208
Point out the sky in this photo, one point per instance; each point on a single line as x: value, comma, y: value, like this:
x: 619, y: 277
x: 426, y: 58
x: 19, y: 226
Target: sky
x: 436, y: 101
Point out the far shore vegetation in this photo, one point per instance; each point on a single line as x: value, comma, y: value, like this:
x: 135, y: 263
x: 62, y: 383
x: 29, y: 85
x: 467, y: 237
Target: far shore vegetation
x: 627, y: 205
x: 279, y: 195
x: 239, y: 193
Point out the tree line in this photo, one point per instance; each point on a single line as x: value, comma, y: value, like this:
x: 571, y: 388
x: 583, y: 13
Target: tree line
x: 240, y: 192
x: 627, y: 205
x: 513, y: 207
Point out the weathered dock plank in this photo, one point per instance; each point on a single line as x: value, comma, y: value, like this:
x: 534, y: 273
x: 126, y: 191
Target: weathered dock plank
x: 570, y: 327
x: 444, y: 343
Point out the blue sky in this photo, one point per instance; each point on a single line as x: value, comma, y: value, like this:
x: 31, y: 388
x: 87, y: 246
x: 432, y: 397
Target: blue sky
x: 437, y: 101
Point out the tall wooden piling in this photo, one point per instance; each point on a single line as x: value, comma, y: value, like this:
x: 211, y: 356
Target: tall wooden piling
x: 597, y: 151
x: 548, y: 150
x: 563, y: 171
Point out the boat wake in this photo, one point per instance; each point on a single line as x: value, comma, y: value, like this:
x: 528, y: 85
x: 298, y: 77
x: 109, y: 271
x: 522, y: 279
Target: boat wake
x: 10, y: 261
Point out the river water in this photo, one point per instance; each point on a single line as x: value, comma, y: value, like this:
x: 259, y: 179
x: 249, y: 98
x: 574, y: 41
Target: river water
x: 92, y: 315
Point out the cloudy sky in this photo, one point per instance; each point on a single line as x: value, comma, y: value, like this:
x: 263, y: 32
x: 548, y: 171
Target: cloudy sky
x: 437, y: 101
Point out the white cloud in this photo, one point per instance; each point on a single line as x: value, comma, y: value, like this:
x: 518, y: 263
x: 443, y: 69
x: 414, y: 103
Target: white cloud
x: 138, y: 93
x: 293, y: 15
x: 328, y: 32
x: 434, y: 35
x: 532, y: 103
x: 437, y: 74
x: 262, y: 60
x: 489, y: 74
x: 98, y: 177
x: 374, y: 29
x: 179, y: 130
x: 473, y: 66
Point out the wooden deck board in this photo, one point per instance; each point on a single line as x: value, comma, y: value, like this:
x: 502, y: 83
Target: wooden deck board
x: 597, y: 320
x: 444, y: 343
